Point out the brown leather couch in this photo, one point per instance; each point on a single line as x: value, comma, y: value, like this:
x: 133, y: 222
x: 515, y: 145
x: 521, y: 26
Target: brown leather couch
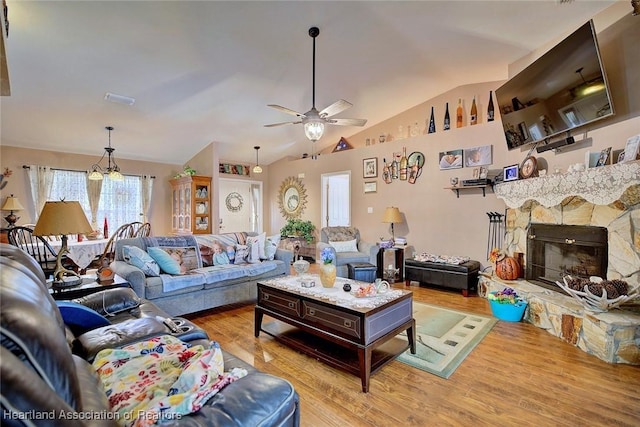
x: 47, y: 379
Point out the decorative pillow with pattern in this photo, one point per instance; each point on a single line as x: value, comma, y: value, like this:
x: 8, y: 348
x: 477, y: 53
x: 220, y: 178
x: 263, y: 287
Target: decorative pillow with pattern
x: 138, y: 258
x: 270, y: 246
x: 254, y: 243
x: 242, y: 253
x: 346, y: 246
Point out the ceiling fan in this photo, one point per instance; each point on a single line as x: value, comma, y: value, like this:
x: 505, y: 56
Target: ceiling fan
x: 314, y: 120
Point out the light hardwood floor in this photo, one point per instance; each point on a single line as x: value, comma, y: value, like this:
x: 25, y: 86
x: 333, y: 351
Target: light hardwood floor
x: 518, y: 375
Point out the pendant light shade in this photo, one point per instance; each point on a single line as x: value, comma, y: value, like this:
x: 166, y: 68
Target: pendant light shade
x: 257, y: 168
x: 113, y: 171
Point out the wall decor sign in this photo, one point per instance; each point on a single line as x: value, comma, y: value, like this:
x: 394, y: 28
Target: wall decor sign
x: 233, y: 169
x: 450, y: 159
x: 370, y: 167
x: 370, y: 187
x: 478, y: 156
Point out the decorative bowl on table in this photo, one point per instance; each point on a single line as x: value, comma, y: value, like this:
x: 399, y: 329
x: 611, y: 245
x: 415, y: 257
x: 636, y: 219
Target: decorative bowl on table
x: 301, y: 266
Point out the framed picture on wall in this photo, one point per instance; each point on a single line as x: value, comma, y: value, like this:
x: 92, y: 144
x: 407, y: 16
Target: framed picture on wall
x: 370, y: 187
x: 370, y: 167
x: 478, y: 156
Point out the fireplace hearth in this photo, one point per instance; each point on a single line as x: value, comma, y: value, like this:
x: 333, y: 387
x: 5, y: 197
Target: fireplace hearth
x: 554, y: 251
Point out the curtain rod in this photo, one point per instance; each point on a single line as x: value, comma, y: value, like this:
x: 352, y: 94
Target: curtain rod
x: 74, y: 170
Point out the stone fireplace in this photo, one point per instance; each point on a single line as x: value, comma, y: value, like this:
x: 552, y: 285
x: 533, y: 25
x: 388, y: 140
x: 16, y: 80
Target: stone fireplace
x: 586, y: 223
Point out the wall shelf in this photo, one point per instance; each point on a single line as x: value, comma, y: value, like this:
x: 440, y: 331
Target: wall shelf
x: 468, y: 187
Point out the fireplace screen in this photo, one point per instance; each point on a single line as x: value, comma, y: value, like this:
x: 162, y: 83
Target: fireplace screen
x: 557, y: 250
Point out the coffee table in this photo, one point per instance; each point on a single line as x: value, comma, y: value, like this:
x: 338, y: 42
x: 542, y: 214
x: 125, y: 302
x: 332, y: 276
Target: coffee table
x: 89, y: 285
x: 322, y: 323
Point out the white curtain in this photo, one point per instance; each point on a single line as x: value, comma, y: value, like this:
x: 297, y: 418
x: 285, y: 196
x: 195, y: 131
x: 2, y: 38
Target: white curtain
x: 146, y: 190
x: 94, y: 190
x: 41, y: 180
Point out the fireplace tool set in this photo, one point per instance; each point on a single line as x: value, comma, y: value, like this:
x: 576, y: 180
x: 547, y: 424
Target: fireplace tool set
x: 496, y: 231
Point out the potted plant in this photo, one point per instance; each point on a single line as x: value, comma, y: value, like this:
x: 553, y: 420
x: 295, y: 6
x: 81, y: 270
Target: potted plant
x: 298, y: 228
x: 507, y: 305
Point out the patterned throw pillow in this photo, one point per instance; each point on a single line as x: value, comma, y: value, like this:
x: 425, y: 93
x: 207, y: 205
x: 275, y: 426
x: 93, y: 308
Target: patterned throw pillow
x: 254, y: 243
x: 138, y: 258
x: 345, y: 246
x: 270, y: 247
x: 242, y: 253
x: 187, y: 256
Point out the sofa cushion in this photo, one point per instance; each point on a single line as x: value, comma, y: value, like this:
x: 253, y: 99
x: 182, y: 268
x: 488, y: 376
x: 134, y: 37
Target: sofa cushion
x: 111, y: 301
x: 141, y: 259
x: 254, y: 243
x: 242, y: 254
x: 167, y: 263
x: 345, y: 246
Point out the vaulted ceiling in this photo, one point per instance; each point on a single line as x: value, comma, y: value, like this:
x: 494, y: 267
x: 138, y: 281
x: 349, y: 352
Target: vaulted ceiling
x: 203, y: 71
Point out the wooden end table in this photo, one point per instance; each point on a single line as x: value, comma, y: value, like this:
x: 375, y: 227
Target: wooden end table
x: 322, y: 324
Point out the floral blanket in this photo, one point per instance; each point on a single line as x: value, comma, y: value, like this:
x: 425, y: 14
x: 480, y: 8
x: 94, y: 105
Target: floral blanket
x: 161, y: 379
x: 444, y: 259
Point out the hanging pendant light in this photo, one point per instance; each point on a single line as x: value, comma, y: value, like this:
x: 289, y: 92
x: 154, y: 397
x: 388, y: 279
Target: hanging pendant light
x: 113, y: 172
x: 257, y: 168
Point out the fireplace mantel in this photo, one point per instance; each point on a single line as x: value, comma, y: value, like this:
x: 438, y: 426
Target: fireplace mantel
x: 600, y: 186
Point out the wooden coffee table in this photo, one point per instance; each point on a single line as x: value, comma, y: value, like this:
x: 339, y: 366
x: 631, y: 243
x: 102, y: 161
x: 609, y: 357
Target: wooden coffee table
x: 322, y: 323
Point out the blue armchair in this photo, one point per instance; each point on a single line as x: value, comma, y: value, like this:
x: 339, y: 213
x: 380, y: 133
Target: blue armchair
x: 347, y: 247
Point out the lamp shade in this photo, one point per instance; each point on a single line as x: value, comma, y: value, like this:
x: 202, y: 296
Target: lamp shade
x: 62, y: 218
x: 392, y: 215
x: 12, y: 204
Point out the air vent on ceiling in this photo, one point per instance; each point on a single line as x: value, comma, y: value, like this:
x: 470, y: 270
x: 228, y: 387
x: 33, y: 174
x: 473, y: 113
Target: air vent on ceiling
x: 119, y: 99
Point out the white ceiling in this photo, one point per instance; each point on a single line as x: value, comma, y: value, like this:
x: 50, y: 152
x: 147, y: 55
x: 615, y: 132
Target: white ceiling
x: 204, y: 71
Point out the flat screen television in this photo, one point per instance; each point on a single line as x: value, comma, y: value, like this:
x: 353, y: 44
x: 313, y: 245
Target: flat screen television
x: 564, y: 89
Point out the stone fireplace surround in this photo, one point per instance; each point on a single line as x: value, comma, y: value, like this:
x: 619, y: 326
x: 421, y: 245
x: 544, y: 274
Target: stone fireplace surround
x: 609, y: 197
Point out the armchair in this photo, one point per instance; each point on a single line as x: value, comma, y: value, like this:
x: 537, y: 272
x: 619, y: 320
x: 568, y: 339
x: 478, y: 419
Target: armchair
x: 342, y: 238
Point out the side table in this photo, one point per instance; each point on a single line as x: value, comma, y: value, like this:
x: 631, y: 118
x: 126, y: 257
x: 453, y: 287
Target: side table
x: 393, y: 256
x: 89, y: 286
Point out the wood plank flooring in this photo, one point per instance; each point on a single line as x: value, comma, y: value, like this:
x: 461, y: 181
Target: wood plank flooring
x: 518, y: 375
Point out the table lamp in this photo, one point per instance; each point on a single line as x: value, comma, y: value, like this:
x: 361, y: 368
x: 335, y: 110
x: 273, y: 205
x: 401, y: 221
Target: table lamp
x: 12, y: 204
x: 62, y: 218
x: 392, y: 215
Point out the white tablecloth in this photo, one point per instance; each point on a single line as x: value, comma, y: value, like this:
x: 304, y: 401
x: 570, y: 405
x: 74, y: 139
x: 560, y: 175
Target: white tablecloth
x: 82, y: 253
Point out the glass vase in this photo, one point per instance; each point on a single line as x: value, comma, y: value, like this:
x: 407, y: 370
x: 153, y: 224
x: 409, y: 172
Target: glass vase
x: 327, y: 275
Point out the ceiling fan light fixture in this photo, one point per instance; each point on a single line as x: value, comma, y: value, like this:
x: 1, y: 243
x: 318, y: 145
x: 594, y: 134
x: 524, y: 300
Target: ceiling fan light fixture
x: 314, y: 130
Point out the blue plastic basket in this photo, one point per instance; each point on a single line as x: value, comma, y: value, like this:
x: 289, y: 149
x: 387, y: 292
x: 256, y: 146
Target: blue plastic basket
x: 508, y: 312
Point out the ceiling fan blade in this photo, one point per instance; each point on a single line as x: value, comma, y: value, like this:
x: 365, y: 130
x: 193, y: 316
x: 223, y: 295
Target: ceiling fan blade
x: 335, y: 108
x: 286, y: 110
x: 281, y: 124
x: 347, y: 122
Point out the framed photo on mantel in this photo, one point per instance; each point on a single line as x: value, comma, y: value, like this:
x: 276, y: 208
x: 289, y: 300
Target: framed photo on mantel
x: 631, y: 150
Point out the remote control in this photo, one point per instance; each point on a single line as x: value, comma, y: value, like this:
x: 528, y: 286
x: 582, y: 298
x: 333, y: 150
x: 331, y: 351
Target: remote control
x: 172, y: 325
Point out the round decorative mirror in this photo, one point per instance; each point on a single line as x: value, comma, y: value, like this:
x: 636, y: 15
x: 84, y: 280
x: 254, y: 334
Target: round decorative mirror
x: 292, y: 197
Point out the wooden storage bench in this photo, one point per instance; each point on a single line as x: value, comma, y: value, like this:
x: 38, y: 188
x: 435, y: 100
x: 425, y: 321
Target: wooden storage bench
x: 454, y: 276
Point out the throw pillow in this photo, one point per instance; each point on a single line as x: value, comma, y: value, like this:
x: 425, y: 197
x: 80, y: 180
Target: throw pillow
x: 346, y: 246
x: 231, y: 254
x: 260, y: 240
x: 270, y: 246
x: 110, y: 301
x: 254, y: 245
x: 187, y: 256
x: 138, y: 258
x: 221, y: 259
x: 206, y: 253
x: 167, y: 263
x: 242, y: 253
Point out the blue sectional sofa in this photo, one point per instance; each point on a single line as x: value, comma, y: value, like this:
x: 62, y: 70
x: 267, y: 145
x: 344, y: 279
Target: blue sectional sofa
x: 202, y: 287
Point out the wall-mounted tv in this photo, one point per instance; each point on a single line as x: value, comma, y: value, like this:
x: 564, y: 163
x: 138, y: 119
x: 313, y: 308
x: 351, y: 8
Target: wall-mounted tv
x: 563, y: 89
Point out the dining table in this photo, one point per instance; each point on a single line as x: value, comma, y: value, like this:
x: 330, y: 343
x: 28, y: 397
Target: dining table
x: 84, y: 252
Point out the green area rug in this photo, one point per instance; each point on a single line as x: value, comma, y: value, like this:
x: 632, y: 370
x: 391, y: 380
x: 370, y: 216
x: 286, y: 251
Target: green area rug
x: 444, y: 337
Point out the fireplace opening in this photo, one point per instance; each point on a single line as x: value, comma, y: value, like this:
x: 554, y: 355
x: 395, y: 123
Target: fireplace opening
x: 554, y: 251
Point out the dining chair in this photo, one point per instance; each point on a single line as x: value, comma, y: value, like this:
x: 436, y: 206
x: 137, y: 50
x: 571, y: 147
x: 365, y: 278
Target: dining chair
x: 141, y: 229
x: 39, y: 248
x: 125, y: 231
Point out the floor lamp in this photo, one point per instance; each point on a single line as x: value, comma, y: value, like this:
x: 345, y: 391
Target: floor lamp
x: 59, y: 219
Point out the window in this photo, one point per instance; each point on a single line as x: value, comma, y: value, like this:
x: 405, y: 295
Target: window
x: 120, y: 202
